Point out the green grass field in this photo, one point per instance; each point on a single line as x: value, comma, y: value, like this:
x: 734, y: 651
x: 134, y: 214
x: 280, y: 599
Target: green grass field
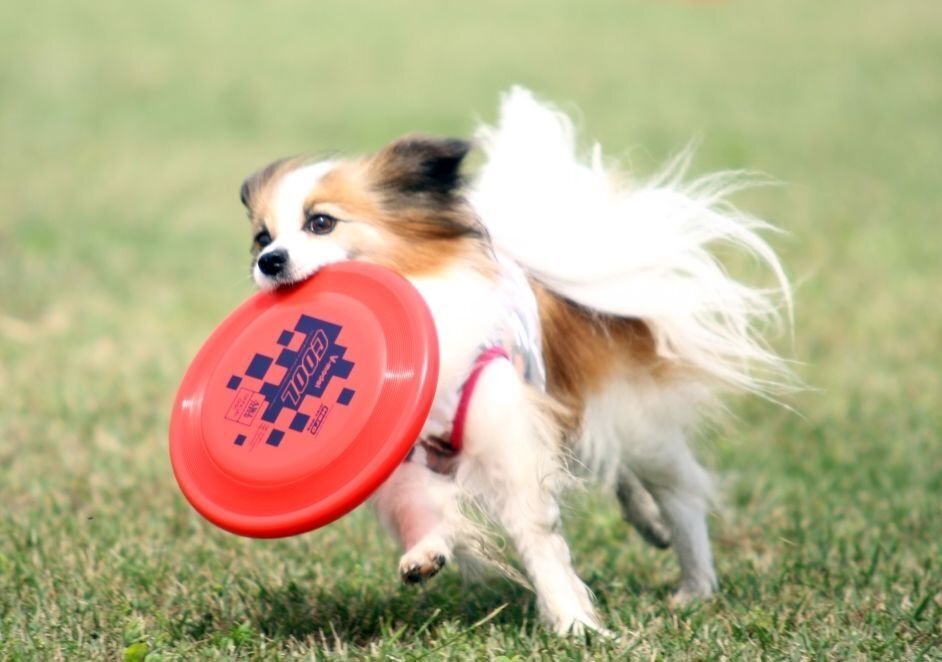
x: 125, y: 131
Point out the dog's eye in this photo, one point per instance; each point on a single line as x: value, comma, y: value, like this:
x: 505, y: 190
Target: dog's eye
x: 320, y: 223
x: 263, y: 238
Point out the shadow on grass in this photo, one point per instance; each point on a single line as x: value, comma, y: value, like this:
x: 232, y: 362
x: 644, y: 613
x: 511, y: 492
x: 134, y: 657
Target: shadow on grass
x: 362, y: 613
x: 359, y: 614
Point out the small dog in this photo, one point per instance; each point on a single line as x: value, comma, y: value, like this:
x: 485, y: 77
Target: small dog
x: 585, y: 327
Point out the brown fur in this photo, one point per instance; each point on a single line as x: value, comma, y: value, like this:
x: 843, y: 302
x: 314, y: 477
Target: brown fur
x: 419, y: 237
x: 584, y: 350
x: 408, y: 193
x: 257, y: 190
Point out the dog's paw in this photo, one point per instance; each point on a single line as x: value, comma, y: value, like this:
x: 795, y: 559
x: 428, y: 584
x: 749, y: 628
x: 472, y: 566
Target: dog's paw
x: 423, y: 561
x: 654, y: 532
x: 639, y: 509
x: 693, y: 592
x: 578, y: 626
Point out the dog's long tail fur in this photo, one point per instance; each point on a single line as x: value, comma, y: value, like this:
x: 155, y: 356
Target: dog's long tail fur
x: 642, y: 250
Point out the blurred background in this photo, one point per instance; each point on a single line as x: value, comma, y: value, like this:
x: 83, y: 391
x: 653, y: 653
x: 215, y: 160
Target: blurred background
x: 125, y: 132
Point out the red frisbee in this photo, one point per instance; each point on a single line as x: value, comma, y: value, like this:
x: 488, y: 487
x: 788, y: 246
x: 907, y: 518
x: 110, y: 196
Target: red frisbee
x: 304, y: 400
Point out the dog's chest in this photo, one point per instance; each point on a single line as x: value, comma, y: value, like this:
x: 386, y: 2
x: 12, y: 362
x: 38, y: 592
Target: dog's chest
x: 474, y: 315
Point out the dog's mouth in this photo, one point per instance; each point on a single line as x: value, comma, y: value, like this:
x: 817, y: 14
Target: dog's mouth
x: 284, y: 268
x: 287, y: 278
x: 267, y: 283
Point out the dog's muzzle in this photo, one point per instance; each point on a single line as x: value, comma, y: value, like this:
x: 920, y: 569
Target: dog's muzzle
x: 273, y: 263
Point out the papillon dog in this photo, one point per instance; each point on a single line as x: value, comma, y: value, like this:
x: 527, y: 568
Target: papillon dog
x: 586, y: 329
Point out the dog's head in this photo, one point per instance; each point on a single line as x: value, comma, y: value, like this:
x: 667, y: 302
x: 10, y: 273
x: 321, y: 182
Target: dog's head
x: 401, y: 207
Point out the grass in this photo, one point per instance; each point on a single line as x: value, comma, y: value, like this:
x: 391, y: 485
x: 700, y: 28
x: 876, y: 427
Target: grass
x: 125, y: 132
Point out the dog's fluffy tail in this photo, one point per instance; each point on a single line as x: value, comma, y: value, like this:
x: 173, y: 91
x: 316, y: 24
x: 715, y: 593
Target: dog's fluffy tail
x: 644, y: 251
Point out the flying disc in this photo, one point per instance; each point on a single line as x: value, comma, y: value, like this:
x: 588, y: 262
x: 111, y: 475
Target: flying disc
x: 304, y: 400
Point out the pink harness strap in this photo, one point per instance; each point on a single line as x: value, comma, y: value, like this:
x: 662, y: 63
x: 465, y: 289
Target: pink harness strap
x: 457, y: 430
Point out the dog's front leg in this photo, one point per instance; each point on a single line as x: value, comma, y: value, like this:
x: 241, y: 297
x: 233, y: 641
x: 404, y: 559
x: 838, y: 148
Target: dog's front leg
x: 413, y: 505
x: 511, y: 464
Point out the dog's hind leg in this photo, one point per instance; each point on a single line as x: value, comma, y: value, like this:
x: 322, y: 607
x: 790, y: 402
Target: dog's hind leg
x: 682, y: 489
x: 639, y: 509
x: 415, y: 505
x: 511, y: 465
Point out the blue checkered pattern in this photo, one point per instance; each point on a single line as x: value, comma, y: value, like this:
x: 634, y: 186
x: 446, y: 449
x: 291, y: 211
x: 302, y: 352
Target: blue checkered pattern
x: 331, y: 365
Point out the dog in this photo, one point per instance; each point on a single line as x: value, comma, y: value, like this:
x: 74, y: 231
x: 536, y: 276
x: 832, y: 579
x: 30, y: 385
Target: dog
x: 587, y: 328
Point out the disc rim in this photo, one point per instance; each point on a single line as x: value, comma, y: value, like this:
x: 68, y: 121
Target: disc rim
x: 192, y: 392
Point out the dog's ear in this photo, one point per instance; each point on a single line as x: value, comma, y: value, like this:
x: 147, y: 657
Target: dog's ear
x: 421, y: 164
x: 245, y: 192
x: 255, y: 183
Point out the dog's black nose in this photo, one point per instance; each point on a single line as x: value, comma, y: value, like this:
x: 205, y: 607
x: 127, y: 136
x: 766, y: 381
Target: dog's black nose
x: 273, y: 262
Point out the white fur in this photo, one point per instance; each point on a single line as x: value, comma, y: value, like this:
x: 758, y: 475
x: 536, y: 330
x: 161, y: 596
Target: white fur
x: 640, y: 251
x: 285, y: 223
x: 293, y: 188
x: 465, y: 312
x: 639, y: 425
x: 421, y: 508
x: 511, y: 465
